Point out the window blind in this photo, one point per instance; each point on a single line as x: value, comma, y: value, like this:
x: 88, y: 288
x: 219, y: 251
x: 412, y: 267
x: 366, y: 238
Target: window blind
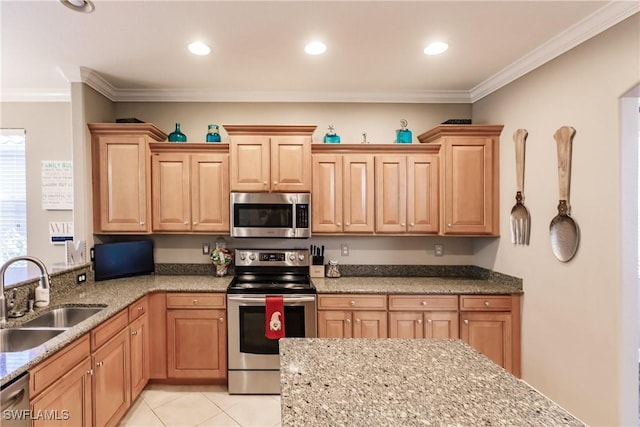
x: 13, y: 194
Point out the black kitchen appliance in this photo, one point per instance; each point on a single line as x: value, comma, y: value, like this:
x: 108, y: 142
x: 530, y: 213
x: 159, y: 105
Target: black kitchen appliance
x: 122, y: 259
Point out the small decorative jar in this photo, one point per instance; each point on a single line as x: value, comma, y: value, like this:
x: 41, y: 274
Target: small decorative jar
x: 213, y: 135
x: 403, y: 135
x: 221, y: 257
x: 177, y: 135
x: 331, y: 137
x: 332, y: 268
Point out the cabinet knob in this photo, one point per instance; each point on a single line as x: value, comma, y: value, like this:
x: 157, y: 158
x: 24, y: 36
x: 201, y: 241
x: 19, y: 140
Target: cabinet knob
x: 449, y: 225
x: 487, y: 304
x: 195, y: 302
x: 264, y: 183
x: 402, y: 224
x: 140, y: 308
x: 411, y: 224
x: 466, y: 322
x: 275, y: 182
x: 347, y: 223
x: 419, y: 321
x: 428, y: 320
x: 90, y: 372
x: 338, y: 224
x: 99, y: 363
x: 423, y: 303
x: 134, y: 333
x: 221, y: 320
x: 186, y: 223
x: 141, y: 222
x: 195, y: 222
x: 352, y: 303
x: 357, y: 320
x: 348, y: 321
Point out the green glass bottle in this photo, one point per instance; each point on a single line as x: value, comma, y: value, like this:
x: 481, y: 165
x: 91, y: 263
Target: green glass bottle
x: 177, y: 135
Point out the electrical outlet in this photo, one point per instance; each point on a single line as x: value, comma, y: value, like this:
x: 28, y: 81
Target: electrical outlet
x: 82, y: 277
x: 439, y: 250
x: 206, y: 248
x: 344, y: 248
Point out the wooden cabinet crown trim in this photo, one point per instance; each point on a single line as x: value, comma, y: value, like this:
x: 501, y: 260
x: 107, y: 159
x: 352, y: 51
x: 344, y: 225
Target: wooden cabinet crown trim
x: 460, y: 130
x: 128, y: 129
x: 269, y: 129
x: 374, y: 148
x: 188, y: 147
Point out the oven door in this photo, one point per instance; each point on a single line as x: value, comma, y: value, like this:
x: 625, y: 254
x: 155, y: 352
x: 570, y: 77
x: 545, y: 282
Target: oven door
x: 249, y: 348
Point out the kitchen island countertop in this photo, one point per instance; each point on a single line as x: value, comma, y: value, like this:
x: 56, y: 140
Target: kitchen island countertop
x: 391, y: 382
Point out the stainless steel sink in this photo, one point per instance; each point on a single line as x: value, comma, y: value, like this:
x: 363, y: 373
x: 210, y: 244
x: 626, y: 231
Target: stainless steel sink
x: 19, y: 339
x: 64, y: 317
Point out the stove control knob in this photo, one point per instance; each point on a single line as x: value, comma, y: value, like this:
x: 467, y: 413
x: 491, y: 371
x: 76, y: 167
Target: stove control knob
x: 292, y: 257
x: 243, y: 256
x: 301, y: 257
x: 252, y: 257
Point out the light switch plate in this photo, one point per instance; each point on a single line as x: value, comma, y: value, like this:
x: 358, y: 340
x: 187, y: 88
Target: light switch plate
x: 439, y: 250
x: 206, y: 248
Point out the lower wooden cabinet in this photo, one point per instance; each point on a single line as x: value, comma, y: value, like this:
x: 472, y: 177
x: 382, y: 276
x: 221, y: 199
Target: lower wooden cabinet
x: 139, y: 345
x: 361, y: 321
x: 196, y: 336
x: 111, y: 381
x: 423, y: 316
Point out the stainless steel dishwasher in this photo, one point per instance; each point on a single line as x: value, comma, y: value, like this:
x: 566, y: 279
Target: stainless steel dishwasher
x: 14, y: 401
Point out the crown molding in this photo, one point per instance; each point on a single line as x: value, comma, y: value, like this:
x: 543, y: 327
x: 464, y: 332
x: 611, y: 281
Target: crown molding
x: 99, y: 83
x: 600, y: 20
x: 35, y: 95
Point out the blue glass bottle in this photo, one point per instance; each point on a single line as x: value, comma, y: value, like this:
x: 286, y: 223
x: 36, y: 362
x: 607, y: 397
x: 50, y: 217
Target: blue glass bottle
x: 403, y: 136
x: 177, y: 135
x: 213, y: 135
x: 331, y: 137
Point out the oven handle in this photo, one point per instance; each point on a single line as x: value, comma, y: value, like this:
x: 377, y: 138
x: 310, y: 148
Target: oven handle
x: 262, y: 299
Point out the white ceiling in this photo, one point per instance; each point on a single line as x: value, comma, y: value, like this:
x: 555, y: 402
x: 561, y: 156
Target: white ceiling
x: 137, y: 50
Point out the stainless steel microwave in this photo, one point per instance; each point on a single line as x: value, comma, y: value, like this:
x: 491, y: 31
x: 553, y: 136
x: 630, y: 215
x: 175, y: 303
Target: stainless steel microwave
x: 280, y: 215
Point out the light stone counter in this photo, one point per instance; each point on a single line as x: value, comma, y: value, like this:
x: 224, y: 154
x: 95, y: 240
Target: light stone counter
x: 414, y: 285
x: 399, y: 382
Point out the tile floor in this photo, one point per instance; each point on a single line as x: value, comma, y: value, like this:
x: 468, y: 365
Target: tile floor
x: 185, y: 406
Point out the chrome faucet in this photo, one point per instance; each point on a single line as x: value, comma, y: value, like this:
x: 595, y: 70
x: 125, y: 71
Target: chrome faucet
x: 44, y: 281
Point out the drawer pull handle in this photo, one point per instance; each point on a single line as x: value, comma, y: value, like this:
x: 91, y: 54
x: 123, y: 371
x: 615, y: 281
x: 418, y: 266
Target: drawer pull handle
x: 486, y: 304
x: 352, y: 303
x: 195, y: 302
x: 423, y: 303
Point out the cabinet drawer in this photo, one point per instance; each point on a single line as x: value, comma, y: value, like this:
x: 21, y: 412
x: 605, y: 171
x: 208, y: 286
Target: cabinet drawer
x: 138, y: 308
x: 485, y: 303
x: 352, y: 302
x: 423, y: 302
x: 48, y: 372
x: 196, y: 300
x: 108, y: 329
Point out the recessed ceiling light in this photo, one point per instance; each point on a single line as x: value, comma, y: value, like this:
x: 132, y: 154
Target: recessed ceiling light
x: 315, y: 48
x: 436, y: 48
x: 79, y: 5
x: 199, y: 48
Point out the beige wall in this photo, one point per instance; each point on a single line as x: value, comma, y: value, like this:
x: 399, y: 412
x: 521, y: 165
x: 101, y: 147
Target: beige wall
x: 48, y: 133
x: 571, y: 341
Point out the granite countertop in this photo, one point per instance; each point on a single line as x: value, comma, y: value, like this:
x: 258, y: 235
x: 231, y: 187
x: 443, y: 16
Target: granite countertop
x: 115, y: 295
x: 391, y: 382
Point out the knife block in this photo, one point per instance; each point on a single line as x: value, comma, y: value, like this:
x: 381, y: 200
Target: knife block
x: 316, y: 270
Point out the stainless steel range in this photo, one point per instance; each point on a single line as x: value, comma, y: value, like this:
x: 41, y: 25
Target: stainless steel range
x: 254, y: 361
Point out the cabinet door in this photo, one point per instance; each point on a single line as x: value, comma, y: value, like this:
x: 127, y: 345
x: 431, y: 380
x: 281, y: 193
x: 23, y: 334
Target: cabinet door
x: 171, y: 192
x: 490, y: 334
x: 406, y: 324
x: 210, y: 192
x: 121, y: 170
x: 441, y: 324
x: 139, y: 342
x: 67, y: 401
x: 391, y: 194
x: 291, y: 163
x: 370, y: 324
x: 111, y: 382
x: 422, y: 194
x: 196, y: 341
x: 334, y: 324
x: 468, y: 186
x: 327, y: 194
x: 250, y: 163
x: 358, y: 194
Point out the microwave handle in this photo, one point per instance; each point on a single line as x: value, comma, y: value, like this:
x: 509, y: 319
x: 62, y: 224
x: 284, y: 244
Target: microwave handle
x: 262, y: 299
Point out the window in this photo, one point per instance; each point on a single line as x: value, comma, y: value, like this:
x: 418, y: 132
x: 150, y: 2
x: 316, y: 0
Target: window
x: 13, y: 198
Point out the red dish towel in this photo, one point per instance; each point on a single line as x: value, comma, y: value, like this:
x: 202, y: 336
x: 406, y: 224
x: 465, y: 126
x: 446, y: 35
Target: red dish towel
x: 274, y: 317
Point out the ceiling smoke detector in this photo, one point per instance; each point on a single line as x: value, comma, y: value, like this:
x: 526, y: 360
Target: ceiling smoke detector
x: 85, y: 6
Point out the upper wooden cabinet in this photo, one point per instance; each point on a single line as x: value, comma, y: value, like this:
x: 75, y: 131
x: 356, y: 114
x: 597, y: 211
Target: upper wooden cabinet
x: 270, y: 158
x: 121, y: 170
x: 470, y: 177
x: 190, y: 187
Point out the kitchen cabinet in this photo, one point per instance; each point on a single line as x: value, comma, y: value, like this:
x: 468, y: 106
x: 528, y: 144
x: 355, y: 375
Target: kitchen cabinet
x: 111, y: 367
x: 196, y: 336
x: 352, y: 316
x: 406, y: 194
x: 61, y: 386
x: 270, y: 158
x: 120, y: 174
x: 423, y: 316
x: 157, y: 315
x: 190, y: 188
x: 491, y: 325
x: 343, y: 194
x: 470, y: 177
x: 139, y: 345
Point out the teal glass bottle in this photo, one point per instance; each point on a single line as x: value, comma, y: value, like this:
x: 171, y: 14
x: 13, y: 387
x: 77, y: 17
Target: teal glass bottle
x: 213, y: 135
x: 177, y: 135
x: 331, y: 137
x: 403, y: 136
